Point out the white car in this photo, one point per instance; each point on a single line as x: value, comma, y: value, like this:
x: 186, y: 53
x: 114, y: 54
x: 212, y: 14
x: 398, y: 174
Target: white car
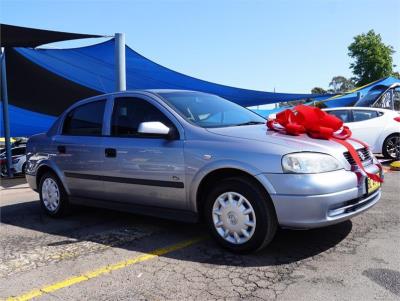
x: 18, y: 160
x: 379, y: 128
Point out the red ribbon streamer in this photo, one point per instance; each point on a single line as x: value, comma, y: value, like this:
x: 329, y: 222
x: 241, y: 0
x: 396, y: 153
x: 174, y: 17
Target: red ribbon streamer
x: 319, y: 125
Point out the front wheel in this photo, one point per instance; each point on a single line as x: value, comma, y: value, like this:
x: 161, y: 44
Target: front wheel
x: 391, y: 147
x: 240, y: 215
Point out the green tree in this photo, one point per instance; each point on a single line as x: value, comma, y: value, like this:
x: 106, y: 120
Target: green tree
x: 372, y: 58
x: 340, y: 84
x: 318, y: 90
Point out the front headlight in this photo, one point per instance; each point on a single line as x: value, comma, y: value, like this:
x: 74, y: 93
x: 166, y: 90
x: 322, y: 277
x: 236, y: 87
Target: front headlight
x: 309, y: 162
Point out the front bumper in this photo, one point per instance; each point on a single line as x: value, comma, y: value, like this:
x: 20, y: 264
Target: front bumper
x: 316, y: 200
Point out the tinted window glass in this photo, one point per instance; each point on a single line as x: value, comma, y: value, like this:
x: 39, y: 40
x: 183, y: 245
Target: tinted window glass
x: 360, y: 115
x: 129, y: 112
x: 85, y: 120
x: 18, y: 151
x: 343, y: 115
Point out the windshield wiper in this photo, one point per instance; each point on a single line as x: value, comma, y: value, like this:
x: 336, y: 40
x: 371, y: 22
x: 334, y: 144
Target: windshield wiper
x: 250, y: 123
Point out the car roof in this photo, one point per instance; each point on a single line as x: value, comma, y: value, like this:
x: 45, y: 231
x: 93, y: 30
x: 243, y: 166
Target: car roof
x: 154, y: 91
x: 122, y: 93
x: 168, y: 91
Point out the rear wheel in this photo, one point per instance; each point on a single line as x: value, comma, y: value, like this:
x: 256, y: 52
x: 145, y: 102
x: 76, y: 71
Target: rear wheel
x: 53, y: 198
x: 240, y: 215
x: 391, y: 147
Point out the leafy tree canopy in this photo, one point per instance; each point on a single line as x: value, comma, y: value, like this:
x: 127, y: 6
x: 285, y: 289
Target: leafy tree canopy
x: 318, y: 90
x: 340, y: 84
x: 372, y: 58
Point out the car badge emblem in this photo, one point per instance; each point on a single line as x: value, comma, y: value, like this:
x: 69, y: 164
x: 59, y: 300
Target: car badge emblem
x: 232, y: 218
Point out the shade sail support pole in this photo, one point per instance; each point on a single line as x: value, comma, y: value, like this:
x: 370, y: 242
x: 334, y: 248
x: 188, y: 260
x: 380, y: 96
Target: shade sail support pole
x: 120, y: 67
x: 6, y: 120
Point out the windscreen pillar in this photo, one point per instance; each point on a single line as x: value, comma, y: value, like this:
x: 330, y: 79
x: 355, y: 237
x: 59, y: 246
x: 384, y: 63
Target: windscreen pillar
x: 6, y: 120
x: 120, y: 68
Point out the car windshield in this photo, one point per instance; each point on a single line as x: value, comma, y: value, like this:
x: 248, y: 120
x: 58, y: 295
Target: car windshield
x: 369, y: 99
x: 210, y: 111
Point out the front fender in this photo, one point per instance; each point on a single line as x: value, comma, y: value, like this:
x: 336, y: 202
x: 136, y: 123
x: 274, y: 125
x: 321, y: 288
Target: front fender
x: 221, y: 164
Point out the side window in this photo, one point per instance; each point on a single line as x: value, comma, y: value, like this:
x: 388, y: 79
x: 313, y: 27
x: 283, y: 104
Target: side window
x: 343, y: 115
x: 85, y: 120
x: 18, y: 151
x: 361, y: 115
x: 129, y: 112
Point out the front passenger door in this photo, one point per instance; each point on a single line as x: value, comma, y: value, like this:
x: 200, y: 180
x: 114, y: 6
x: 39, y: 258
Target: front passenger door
x: 143, y: 169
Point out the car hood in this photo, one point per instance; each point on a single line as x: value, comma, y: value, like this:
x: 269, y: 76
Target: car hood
x: 290, y: 143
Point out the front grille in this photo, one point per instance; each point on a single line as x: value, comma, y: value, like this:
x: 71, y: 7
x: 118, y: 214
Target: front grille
x: 364, y: 155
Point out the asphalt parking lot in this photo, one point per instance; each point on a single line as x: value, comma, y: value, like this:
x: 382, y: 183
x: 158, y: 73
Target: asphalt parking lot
x: 96, y: 254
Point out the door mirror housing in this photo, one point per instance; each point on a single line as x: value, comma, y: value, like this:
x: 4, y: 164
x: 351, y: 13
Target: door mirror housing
x: 154, y: 128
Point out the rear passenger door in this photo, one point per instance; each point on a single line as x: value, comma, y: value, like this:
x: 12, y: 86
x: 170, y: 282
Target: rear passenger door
x: 79, y: 149
x: 144, y: 169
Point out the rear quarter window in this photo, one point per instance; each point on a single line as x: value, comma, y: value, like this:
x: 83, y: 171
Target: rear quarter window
x: 361, y: 115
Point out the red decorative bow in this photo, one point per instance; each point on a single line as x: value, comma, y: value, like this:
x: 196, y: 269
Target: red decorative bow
x: 319, y: 125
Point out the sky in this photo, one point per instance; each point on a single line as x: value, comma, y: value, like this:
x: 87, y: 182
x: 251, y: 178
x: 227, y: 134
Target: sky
x: 286, y: 46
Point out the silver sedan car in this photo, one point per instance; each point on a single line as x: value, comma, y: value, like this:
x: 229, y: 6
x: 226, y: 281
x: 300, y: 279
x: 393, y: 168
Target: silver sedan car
x: 194, y: 156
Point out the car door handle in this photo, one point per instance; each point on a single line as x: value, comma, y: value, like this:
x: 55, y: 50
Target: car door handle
x: 61, y: 149
x: 110, y: 152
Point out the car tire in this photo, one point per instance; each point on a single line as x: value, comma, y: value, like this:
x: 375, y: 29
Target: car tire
x: 53, y: 198
x: 240, y: 215
x: 390, y: 142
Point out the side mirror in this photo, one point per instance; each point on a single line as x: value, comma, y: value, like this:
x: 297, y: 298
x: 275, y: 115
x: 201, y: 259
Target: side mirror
x: 154, y: 128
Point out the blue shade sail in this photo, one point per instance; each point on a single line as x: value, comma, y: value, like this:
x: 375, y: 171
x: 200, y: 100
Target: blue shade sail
x: 64, y: 76
x: 25, y: 123
x: 93, y: 67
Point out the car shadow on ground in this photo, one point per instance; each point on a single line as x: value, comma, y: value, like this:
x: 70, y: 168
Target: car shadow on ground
x: 87, y: 224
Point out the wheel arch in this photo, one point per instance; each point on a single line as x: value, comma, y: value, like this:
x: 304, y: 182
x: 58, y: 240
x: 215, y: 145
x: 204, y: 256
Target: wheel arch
x: 47, y: 168
x: 387, y: 135
x: 218, y: 175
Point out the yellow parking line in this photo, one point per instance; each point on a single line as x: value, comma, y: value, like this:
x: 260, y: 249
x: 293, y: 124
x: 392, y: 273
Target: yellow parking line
x: 103, y: 270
